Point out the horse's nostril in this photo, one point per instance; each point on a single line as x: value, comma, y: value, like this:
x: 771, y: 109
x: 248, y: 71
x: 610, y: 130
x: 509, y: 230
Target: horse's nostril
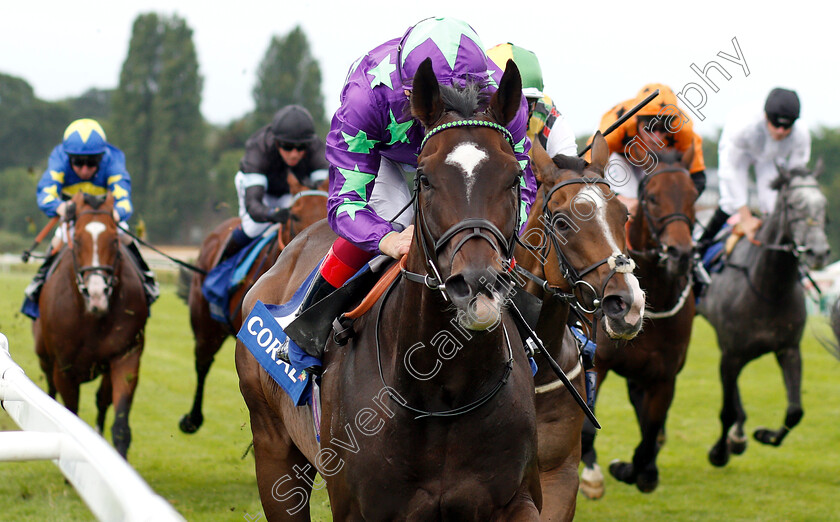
x: 614, y: 306
x: 458, y: 288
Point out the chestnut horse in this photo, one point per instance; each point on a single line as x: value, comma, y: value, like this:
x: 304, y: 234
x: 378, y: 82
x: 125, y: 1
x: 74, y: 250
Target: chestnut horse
x: 663, y: 250
x: 409, y: 431
x: 93, y: 316
x: 308, y: 207
x: 756, y: 304
x: 575, y: 241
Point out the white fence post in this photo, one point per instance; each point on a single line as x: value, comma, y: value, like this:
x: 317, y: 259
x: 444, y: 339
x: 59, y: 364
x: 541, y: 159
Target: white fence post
x: 109, y: 486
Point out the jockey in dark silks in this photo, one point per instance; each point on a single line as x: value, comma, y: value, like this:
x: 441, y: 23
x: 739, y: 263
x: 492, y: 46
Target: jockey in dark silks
x: 288, y: 145
x: 85, y: 162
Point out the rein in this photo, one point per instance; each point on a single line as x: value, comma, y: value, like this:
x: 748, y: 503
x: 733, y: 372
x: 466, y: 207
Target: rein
x: 461, y: 410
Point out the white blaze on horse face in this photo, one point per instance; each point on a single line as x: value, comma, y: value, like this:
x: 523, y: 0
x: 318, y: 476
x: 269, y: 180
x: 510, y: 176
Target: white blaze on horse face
x: 637, y: 308
x: 96, y: 283
x: 467, y: 156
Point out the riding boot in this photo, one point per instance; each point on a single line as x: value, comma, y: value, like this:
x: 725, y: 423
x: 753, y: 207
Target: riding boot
x: 33, y: 290
x: 712, y: 228
x: 318, y: 290
x: 237, y: 240
x: 150, y: 285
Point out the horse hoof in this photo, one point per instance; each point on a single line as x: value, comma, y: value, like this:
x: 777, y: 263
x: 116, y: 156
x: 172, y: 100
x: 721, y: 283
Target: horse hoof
x: 719, y: 455
x: 765, y: 436
x: 622, y: 471
x: 647, y: 482
x: 592, y: 482
x: 736, y: 446
x: 187, y: 425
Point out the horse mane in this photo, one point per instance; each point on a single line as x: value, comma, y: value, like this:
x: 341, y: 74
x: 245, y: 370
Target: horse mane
x: 785, y: 177
x: 466, y: 100
x: 94, y: 201
x: 669, y: 156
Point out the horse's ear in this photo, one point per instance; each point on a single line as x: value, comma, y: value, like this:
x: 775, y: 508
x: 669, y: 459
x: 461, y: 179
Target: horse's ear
x: 295, y: 186
x: 819, y: 168
x: 426, y: 103
x: 600, y: 153
x: 506, y: 101
x: 688, y: 157
x: 542, y: 162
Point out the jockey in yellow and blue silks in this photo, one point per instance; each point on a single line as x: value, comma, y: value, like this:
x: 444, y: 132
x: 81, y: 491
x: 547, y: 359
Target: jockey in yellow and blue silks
x: 85, y: 162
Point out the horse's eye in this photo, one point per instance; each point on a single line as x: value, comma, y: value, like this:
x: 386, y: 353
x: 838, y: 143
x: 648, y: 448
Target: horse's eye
x: 424, y: 181
x: 652, y: 200
x: 295, y: 218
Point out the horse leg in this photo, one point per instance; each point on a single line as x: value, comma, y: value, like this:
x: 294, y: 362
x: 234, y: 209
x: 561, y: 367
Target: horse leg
x: 730, y: 369
x: 791, y: 363
x: 560, y: 487
x: 591, y: 477
x: 68, y: 388
x: 103, y: 401
x: 652, y: 406
x: 209, y: 337
x: 736, y: 441
x: 125, y: 370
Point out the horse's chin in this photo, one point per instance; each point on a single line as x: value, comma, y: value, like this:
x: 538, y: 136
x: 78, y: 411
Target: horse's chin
x: 483, y: 313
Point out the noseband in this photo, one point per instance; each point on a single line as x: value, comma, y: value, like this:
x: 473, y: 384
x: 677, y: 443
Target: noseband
x: 106, y: 271
x: 477, y: 228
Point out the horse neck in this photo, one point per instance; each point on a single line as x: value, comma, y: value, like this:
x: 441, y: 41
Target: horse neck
x: 770, y: 269
x: 661, y: 287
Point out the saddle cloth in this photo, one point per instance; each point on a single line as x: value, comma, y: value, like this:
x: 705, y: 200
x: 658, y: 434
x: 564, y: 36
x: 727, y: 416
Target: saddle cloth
x: 223, y: 280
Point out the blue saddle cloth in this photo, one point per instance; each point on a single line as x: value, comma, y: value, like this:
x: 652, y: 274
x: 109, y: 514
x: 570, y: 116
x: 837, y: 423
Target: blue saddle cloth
x: 225, y: 277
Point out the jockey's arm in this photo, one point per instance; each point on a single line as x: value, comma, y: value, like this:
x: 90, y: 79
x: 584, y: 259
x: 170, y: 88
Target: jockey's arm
x: 259, y: 212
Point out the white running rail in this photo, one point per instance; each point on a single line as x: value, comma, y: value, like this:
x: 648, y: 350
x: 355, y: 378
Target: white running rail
x: 109, y: 486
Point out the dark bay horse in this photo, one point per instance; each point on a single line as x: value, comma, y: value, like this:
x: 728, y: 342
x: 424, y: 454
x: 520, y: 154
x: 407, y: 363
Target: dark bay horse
x: 93, y: 316
x: 584, y: 260
x: 756, y: 304
x: 308, y: 207
x: 428, y: 411
x: 661, y: 245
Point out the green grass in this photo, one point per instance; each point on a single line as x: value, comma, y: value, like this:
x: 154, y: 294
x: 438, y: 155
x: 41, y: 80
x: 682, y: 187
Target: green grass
x: 205, y: 477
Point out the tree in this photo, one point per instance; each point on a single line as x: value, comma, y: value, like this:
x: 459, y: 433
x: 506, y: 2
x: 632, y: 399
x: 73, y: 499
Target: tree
x: 289, y: 74
x: 159, y: 126
x: 31, y: 127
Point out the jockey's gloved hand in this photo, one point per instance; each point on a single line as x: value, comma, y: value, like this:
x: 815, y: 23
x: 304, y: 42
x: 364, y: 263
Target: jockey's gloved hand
x: 280, y: 215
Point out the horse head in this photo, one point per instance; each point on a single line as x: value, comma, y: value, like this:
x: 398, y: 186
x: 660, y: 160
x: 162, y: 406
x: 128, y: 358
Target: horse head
x: 666, y: 212
x: 467, y: 184
x: 308, y: 206
x: 801, y: 204
x: 582, y: 241
x: 95, y: 249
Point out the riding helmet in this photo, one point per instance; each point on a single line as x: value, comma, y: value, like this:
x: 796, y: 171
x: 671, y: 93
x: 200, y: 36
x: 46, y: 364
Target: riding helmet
x: 84, y: 137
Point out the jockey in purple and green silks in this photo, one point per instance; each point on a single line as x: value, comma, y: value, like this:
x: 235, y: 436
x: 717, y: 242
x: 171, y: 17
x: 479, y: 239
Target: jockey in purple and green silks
x: 374, y: 140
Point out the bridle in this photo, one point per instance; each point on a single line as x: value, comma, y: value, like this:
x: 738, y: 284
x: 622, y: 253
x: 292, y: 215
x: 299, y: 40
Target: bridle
x: 477, y: 228
x: 617, y: 262
x: 657, y: 226
x: 108, y: 272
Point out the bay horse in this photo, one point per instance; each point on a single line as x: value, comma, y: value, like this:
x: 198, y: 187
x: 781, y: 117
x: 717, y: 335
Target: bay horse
x: 662, y: 248
x: 574, y: 240
x: 756, y: 304
x: 308, y: 206
x: 409, y: 431
x: 93, y: 316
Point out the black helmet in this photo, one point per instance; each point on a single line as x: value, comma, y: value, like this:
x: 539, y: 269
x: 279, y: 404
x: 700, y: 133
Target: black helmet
x: 293, y: 124
x: 782, y: 107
